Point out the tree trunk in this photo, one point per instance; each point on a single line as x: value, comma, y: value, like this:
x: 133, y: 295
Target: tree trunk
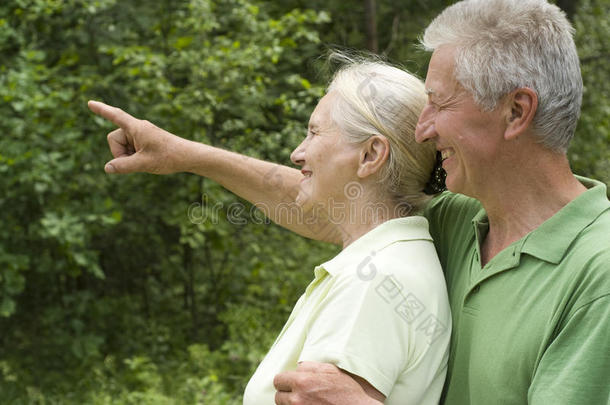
x: 370, y: 17
x: 569, y: 7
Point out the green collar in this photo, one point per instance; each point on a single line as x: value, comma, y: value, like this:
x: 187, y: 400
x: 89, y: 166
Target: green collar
x: 551, y: 240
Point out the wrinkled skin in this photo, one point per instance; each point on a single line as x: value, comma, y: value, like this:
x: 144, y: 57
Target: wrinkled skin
x: 319, y: 384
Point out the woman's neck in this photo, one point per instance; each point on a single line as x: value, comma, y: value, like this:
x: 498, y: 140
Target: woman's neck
x: 362, y: 215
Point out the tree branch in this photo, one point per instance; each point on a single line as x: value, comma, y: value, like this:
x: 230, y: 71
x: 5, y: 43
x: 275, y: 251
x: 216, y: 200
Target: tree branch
x: 370, y: 16
x: 592, y: 58
x: 395, y: 25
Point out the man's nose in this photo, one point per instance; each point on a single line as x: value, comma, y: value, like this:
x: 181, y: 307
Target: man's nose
x: 424, y: 130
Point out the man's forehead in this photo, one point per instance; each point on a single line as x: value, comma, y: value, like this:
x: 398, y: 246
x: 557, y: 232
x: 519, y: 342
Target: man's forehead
x: 441, y: 84
x: 440, y: 70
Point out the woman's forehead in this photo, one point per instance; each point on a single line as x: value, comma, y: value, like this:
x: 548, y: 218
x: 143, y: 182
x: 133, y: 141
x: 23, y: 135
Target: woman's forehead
x: 321, y: 114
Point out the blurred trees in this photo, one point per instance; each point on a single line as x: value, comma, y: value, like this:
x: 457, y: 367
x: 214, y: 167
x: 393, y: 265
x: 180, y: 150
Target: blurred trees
x: 590, y: 151
x: 168, y: 289
x: 118, y: 276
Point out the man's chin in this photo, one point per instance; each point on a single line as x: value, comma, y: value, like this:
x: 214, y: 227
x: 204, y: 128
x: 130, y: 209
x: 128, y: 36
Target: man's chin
x: 452, y: 184
x: 458, y: 187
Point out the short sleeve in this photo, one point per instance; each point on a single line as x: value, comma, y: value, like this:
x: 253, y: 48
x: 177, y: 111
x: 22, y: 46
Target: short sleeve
x: 393, y: 328
x: 357, y: 330
x: 575, y: 368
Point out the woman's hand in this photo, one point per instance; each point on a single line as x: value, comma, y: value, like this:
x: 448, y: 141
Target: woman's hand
x: 138, y: 145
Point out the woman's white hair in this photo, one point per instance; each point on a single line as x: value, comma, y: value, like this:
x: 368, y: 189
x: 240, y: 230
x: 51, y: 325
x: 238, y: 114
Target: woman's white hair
x: 375, y: 98
x: 503, y: 45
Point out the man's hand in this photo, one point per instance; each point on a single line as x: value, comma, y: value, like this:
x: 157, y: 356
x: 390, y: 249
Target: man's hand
x: 319, y: 383
x: 138, y: 145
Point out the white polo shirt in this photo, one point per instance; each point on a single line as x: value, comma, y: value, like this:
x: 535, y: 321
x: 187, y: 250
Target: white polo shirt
x: 379, y: 309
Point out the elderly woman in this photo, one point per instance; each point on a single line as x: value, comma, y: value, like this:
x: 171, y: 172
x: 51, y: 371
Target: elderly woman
x: 379, y: 309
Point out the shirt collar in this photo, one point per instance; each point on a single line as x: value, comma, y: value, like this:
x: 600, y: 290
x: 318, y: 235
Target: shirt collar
x: 551, y: 240
x: 394, y: 230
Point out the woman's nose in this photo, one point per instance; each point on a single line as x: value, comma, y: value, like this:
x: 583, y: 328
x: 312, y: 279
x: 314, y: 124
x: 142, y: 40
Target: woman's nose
x: 298, y: 154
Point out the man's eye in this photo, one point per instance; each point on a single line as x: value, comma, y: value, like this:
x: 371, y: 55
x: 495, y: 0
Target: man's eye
x: 437, y: 106
x: 434, y: 105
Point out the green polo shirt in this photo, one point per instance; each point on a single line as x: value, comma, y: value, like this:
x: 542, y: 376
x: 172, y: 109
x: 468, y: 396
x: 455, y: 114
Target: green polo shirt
x: 533, y: 325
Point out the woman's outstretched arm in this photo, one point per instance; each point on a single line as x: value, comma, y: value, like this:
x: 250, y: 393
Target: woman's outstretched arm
x: 140, y: 146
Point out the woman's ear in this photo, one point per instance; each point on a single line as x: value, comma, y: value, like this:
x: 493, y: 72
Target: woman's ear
x: 375, y: 152
x: 521, y: 108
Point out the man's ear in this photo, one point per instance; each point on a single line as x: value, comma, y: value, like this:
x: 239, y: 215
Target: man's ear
x: 520, y: 110
x: 375, y: 152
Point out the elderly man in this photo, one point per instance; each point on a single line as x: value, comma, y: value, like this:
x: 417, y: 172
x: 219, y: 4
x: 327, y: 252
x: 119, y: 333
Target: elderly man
x: 528, y: 264
x: 524, y: 244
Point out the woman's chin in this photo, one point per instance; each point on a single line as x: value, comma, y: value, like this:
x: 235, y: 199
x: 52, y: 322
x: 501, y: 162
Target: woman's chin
x: 306, y: 203
x: 302, y: 200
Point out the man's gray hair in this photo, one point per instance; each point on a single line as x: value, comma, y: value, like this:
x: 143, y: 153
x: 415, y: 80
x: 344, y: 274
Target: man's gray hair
x: 503, y: 45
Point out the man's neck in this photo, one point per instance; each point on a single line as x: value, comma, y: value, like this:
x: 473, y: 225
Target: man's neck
x: 524, y: 199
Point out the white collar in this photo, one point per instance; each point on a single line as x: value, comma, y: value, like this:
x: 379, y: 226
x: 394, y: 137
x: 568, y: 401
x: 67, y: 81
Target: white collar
x: 383, y: 235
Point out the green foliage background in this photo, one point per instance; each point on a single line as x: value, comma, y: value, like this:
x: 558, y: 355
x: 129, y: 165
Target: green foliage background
x: 168, y: 289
